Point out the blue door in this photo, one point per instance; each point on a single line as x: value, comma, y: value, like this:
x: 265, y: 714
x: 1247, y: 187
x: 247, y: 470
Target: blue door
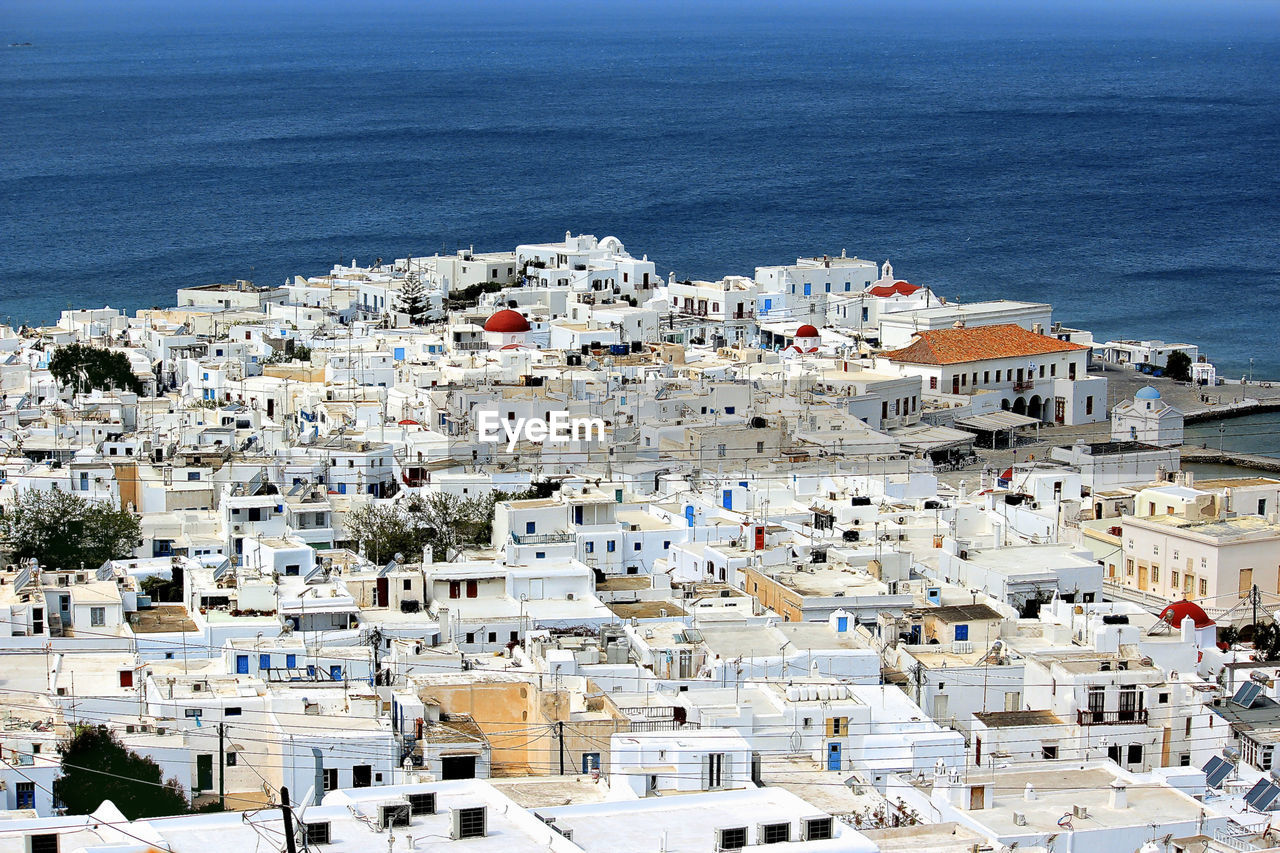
x: 264, y: 661
x: 335, y: 673
x: 399, y: 353
x: 916, y: 632
x: 842, y: 623
x: 726, y: 499
x: 833, y: 756
x: 688, y: 515
x: 242, y: 664
x: 590, y: 761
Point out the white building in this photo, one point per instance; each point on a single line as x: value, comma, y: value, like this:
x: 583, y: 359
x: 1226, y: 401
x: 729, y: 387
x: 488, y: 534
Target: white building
x: 1147, y: 419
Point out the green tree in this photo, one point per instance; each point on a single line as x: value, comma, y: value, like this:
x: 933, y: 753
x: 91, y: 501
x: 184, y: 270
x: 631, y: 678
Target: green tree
x: 383, y: 530
x: 161, y: 589
x: 1179, y: 366
x: 86, y: 368
x: 63, y: 530
x: 96, y: 766
x: 412, y: 299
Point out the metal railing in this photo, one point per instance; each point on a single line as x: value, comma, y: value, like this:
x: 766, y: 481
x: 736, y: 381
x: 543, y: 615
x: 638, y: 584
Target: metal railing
x: 1084, y: 717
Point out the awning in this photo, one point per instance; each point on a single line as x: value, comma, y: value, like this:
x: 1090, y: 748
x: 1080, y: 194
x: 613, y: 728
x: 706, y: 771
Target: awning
x: 996, y: 421
x: 927, y: 439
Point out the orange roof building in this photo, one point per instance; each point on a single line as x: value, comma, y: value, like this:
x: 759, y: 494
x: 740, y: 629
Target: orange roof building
x: 980, y: 343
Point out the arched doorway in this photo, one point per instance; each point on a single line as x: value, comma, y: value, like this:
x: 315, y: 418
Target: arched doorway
x: 1004, y: 404
x: 1020, y: 406
x: 1097, y: 510
x: 1035, y: 408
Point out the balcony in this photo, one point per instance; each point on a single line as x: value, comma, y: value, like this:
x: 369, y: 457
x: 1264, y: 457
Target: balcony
x: 541, y: 538
x: 1024, y: 385
x: 1111, y: 718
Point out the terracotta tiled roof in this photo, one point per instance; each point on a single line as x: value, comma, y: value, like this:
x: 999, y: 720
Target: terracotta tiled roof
x: 956, y: 346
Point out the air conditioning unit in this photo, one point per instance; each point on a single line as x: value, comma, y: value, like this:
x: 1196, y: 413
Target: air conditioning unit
x: 470, y: 822
x: 817, y: 828
x: 1081, y: 812
x: 316, y: 833
x: 731, y: 838
x: 394, y: 813
x: 1019, y: 819
x: 422, y: 803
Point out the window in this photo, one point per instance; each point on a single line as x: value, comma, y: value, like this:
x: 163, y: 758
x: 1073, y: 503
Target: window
x: 775, y: 833
x: 264, y: 661
x: 1204, y: 587
x: 1174, y: 577
x: 408, y: 585
x: 26, y: 795
x: 126, y: 678
x: 473, y: 588
x: 611, y: 546
x: 493, y: 636
x: 1049, y: 753
x: 455, y: 589
x: 933, y: 383
x: 231, y: 759
x: 1135, y: 753
x: 97, y: 616
x: 232, y: 711
x: 962, y: 633
x: 45, y: 842
x: 715, y: 769
x: 291, y: 661
x: 530, y: 526
x: 330, y: 778
x: 986, y: 377
x: 539, y: 555
x: 589, y: 547
x: 1155, y: 574
x: 1088, y: 405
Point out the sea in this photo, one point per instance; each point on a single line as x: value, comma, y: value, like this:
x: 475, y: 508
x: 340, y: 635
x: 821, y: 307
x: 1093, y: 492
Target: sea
x: 1118, y: 159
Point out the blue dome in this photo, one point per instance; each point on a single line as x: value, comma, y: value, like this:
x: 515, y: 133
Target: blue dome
x: 1147, y: 393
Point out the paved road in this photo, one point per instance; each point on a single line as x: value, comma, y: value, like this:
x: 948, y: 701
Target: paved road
x: 1121, y: 385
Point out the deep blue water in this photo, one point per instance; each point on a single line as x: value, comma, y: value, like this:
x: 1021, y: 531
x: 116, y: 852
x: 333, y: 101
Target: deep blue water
x: 1120, y: 164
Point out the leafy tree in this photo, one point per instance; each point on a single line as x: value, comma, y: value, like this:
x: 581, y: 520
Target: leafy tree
x: 1178, y: 366
x: 86, y: 368
x: 412, y: 299
x: 96, y: 766
x: 63, y: 530
x: 382, y: 530
x: 445, y: 521
x: 161, y: 589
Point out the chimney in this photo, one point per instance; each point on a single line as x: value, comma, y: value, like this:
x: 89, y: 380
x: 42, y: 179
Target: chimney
x: 1188, y: 629
x: 1119, y: 795
x: 1029, y: 793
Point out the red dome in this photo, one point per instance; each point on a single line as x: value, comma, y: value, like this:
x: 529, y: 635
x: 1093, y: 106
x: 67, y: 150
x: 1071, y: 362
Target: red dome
x: 507, y: 322
x: 898, y: 288
x: 807, y: 331
x: 1179, y: 610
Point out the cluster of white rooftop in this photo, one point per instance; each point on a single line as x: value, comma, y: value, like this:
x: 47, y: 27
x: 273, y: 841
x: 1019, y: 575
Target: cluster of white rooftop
x: 750, y: 613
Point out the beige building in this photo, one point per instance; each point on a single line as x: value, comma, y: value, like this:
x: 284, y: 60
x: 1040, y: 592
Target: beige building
x: 1175, y: 557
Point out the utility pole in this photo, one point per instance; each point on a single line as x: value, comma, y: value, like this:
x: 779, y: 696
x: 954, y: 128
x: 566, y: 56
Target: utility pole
x: 561, y: 725
x: 290, y: 843
x: 222, y: 766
